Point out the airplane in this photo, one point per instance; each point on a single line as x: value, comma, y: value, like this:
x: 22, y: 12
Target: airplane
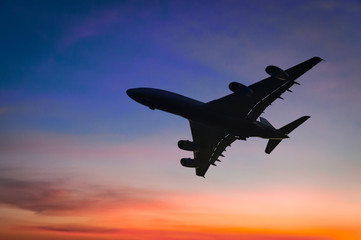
x: 215, y: 125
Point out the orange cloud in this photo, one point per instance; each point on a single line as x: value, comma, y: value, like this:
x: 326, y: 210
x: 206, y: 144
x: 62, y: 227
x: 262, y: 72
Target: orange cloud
x: 191, y: 233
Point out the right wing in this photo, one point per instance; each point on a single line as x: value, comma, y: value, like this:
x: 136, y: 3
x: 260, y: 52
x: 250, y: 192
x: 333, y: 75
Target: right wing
x: 211, y: 145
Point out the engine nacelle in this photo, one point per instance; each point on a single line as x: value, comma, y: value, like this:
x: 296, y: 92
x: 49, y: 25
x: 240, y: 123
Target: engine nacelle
x: 188, y: 145
x: 277, y: 73
x: 189, y: 162
x: 239, y: 88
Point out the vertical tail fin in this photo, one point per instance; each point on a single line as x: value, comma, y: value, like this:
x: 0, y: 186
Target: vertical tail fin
x: 285, y: 129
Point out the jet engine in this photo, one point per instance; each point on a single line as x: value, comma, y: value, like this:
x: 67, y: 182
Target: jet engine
x: 277, y: 73
x: 239, y: 88
x: 187, y: 145
x: 189, y: 162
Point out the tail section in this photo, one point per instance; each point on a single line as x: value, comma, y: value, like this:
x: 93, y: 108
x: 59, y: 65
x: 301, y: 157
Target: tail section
x: 286, y: 130
x: 265, y: 122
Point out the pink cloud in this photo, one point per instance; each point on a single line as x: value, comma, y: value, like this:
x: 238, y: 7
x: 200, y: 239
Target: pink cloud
x: 62, y: 197
x: 74, y: 229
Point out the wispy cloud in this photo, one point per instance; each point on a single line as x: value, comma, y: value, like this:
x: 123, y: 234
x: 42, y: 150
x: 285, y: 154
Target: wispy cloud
x: 63, y: 197
x: 110, y: 18
x: 75, y: 229
x: 180, y: 232
x: 94, y: 24
x: 199, y: 233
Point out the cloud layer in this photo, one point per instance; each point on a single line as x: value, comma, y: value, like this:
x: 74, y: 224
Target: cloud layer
x: 61, y: 197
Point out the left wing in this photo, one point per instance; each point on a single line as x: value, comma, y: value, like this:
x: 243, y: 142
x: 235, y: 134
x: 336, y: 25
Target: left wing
x: 211, y: 145
x: 269, y: 89
x: 263, y: 94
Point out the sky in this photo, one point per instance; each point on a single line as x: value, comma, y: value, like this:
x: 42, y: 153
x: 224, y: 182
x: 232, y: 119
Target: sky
x: 79, y: 159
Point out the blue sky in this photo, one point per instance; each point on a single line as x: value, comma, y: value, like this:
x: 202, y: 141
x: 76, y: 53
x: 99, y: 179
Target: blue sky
x: 64, y: 113
x: 67, y: 67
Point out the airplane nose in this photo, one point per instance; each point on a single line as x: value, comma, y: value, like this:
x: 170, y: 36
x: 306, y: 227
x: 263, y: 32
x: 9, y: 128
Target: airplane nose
x: 137, y: 94
x: 142, y: 96
x: 132, y: 93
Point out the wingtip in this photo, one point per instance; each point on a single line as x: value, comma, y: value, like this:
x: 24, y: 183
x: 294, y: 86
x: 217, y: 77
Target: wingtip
x: 305, y: 117
x: 319, y: 59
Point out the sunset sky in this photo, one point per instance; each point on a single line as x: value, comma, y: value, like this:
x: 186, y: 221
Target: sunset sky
x: 81, y: 160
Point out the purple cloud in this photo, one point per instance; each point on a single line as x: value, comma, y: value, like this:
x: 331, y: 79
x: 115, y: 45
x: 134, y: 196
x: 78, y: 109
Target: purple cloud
x: 62, y: 197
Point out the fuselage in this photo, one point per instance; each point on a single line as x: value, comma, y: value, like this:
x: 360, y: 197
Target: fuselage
x: 194, y: 110
x: 166, y: 101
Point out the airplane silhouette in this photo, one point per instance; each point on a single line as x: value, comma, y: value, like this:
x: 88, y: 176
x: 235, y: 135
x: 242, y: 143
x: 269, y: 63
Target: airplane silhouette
x: 218, y: 123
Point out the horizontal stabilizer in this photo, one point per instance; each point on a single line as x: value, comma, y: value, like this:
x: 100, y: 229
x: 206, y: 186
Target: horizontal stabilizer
x: 286, y: 130
x: 291, y: 126
x: 271, y: 145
